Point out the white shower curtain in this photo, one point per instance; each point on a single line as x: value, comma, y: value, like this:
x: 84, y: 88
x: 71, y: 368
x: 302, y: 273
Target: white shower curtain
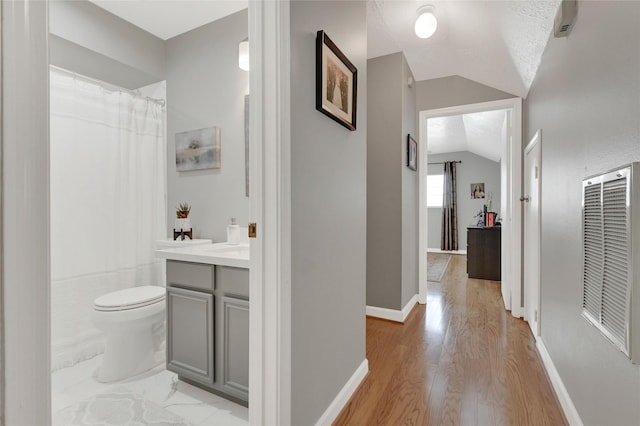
x: 108, y: 203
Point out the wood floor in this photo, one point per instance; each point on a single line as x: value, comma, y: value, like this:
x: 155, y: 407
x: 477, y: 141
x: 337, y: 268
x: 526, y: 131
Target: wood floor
x: 462, y: 360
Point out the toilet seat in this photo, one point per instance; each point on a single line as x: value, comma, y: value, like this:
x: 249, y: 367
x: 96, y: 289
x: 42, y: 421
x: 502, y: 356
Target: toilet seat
x: 130, y: 298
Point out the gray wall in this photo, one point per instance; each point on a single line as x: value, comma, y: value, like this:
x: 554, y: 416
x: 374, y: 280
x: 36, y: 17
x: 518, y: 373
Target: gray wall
x: 206, y: 88
x: 384, y: 181
x: 452, y: 91
x: 473, y: 168
x: 91, y: 41
x: 410, y: 224
x: 586, y: 100
x: 392, y: 188
x: 328, y: 211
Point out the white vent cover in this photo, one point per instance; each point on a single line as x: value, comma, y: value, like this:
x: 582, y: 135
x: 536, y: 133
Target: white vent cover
x: 609, y: 271
x: 565, y: 18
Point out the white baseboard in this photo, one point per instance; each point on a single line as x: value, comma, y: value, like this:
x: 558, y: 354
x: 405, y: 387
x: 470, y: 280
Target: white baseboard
x: 517, y: 311
x: 409, y: 306
x: 393, y: 314
x: 338, y: 403
x: 569, y: 409
x: 436, y: 250
x: 422, y: 295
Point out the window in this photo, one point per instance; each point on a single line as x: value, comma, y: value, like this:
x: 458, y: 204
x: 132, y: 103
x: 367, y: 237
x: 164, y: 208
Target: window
x: 435, y: 188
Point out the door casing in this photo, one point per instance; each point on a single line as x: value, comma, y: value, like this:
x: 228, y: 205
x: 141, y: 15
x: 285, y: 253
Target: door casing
x: 532, y: 217
x: 512, y: 267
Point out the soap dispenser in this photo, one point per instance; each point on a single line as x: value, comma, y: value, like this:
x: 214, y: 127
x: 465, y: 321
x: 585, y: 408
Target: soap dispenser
x: 233, y: 232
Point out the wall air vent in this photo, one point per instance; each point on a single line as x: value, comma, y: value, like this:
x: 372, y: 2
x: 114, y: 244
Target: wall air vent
x: 565, y: 18
x: 610, y: 243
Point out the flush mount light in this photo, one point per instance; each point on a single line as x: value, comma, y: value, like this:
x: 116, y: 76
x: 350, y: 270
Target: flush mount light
x: 426, y: 24
x: 243, y: 55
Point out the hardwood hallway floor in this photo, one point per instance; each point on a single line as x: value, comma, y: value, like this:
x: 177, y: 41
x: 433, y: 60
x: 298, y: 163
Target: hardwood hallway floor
x: 462, y: 360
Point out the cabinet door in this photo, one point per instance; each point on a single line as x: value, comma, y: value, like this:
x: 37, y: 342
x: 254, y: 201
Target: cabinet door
x: 190, y: 334
x: 236, y: 347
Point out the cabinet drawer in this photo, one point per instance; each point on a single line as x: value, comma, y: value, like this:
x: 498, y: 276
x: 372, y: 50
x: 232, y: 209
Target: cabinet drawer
x: 190, y: 275
x: 234, y: 281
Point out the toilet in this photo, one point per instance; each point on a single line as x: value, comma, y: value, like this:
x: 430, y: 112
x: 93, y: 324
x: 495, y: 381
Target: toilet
x: 128, y: 318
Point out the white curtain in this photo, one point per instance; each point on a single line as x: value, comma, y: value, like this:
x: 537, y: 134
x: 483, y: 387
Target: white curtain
x: 108, y: 203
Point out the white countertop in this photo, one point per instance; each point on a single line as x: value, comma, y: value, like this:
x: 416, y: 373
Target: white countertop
x: 171, y: 243
x: 224, y: 254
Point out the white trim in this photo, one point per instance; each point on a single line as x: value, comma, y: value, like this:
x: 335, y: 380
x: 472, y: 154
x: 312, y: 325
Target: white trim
x: 514, y: 278
x: 384, y: 313
x: 409, y: 307
x: 437, y: 250
x: 534, y: 143
x: 566, y: 403
x: 270, y: 201
x: 339, y: 402
x: 26, y: 228
x: 393, y: 314
x: 2, y: 350
x: 422, y: 210
x: 534, y: 140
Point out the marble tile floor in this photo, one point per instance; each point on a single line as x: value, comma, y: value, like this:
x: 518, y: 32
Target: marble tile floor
x: 72, y: 387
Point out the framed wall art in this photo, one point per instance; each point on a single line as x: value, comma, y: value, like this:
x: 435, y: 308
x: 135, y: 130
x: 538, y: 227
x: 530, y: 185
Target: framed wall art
x: 336, y: 83
x: 477, y: 190
x: 198, y: 149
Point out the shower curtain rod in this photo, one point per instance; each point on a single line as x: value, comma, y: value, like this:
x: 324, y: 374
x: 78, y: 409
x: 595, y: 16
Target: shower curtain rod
x: 442, y: 162
x: 108, y: 86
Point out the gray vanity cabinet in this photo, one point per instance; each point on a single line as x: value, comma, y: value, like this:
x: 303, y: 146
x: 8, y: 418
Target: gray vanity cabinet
x: 190, y: 334
x: 236, y: 346
x: 208, y: 326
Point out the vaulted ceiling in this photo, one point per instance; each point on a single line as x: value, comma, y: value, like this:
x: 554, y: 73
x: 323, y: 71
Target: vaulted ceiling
x: 478, y: 132
x: 496, y: 43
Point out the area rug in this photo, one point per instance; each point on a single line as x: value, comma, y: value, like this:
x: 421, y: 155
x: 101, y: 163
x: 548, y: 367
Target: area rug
x: 118, y: 406
x: 437, y: 265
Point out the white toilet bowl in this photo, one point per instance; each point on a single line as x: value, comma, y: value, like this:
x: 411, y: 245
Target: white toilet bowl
x: 127, y: 317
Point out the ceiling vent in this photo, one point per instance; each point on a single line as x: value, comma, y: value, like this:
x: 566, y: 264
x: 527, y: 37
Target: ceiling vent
x: 565, y: 18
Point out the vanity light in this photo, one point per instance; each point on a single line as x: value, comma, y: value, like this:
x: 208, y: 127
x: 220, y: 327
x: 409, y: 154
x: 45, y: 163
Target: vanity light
x: 243, y: 55
x: 426, y: 24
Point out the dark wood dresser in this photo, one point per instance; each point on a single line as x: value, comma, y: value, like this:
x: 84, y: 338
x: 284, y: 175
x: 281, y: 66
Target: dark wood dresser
x: 483, y: 253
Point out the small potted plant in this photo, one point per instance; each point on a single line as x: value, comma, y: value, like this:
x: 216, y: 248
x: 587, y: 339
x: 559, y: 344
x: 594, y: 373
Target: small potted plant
x: 182, y: 217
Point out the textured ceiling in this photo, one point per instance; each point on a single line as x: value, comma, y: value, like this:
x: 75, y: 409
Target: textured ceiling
x: 479, y: 132
x: 496, y: 43
x: 168, y: 18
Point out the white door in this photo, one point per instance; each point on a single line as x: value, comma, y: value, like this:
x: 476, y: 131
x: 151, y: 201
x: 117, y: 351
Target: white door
x: 531, y: 207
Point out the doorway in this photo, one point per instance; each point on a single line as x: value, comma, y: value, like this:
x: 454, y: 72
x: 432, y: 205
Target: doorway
x: 531, y: 198
x: 26, y: 267
x: 510, y: 186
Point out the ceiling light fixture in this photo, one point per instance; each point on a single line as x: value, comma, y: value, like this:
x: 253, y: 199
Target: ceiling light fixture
x: 243, y: 55
x: 426, y: 24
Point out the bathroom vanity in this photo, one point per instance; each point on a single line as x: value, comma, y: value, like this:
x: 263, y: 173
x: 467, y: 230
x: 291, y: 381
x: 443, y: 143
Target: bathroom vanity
x: 208, y: 317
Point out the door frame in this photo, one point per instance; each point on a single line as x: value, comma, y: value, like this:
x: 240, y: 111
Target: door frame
x: 270, y: 200
x: 25, y: 226
x: 510, y: 273
x: 534, y: 143
x: 25, y: 186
